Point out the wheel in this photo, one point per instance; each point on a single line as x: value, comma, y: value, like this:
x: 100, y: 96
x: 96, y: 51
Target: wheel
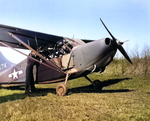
x: 97, y: 85
x: 61, y: 89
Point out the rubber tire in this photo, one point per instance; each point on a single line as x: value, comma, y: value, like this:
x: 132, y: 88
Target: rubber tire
x: 98, y: 86
x: 61, y: 89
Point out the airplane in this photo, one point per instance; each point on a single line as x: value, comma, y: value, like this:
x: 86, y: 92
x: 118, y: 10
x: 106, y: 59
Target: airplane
x: 61, y: 58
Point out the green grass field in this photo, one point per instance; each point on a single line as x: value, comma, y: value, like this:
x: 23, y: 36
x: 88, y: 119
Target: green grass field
x: 123, y: 97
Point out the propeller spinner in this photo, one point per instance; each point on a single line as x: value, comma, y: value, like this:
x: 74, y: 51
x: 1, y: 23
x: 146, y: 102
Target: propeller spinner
x: 117, y: 45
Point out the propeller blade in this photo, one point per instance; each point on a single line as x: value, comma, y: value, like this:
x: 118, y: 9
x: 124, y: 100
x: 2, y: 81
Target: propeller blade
x: 120, y: 48
x: 118, y: 45
x: 108, y: 30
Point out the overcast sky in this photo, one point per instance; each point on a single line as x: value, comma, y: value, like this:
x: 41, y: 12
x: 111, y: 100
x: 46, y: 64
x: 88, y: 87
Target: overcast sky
x: 126, y: 19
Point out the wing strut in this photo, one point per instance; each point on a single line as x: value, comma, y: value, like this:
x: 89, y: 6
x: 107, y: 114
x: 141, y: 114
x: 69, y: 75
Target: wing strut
x: 25, y: 55
x: 49, y: 62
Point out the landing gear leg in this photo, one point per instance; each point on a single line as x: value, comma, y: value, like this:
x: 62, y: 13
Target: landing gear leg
x: 97, y: 85
x: 89, y: 80
x: 62, y: 89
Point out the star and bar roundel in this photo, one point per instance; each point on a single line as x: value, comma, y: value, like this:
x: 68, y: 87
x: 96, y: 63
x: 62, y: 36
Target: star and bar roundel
x: 15, y: 74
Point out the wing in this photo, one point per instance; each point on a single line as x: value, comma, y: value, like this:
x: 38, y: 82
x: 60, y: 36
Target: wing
x: 32, y: 38
x: 13, y: 37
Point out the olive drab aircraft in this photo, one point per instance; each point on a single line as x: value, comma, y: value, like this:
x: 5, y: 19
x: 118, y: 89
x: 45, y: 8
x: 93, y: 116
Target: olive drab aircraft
x: 60, y: 58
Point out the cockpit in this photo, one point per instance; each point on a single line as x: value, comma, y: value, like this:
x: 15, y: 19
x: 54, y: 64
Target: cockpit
x: 60, y: 52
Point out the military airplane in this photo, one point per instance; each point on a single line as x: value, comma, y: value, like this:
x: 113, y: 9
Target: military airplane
x: 61, y: 58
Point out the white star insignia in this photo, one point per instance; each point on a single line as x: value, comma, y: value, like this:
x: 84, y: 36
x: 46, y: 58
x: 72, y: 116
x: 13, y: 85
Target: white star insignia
x: 15, y: 74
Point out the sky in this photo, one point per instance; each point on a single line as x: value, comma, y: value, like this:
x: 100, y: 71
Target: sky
x: 126, y: 19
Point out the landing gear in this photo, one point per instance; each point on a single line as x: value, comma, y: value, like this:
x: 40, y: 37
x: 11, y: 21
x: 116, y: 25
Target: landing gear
x: 62, y: 89
x: 97, y: 85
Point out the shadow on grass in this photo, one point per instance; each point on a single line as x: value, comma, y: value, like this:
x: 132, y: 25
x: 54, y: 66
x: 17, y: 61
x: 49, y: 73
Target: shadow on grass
x: 45, y: 91
x: 89, y: 88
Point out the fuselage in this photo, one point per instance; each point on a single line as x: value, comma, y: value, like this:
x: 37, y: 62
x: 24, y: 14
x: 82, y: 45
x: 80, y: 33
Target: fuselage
x: 84, y: 58
x: 92, y: 57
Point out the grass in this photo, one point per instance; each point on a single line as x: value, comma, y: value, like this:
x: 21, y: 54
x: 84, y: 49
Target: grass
x: 124, y: 97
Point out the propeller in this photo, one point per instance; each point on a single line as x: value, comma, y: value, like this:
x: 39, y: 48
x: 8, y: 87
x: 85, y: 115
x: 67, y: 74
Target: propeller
x: 117, y: 45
